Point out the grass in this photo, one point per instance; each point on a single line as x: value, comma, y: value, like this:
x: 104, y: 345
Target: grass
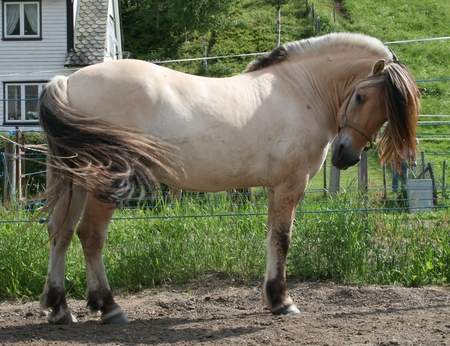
x: 175, y: 243
x: 374, y: 247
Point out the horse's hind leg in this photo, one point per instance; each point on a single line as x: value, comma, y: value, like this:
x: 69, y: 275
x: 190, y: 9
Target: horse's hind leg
x: 61, y: 228
x: 282, y: 205
x: 92, y: 232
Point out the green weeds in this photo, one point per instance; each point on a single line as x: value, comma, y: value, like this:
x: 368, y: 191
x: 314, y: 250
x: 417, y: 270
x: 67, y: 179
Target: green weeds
x: 177, y: 242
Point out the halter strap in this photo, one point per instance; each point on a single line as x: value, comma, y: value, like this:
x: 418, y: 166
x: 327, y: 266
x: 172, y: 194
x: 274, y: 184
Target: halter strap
x: 349, y: 123
x: 346, y: 122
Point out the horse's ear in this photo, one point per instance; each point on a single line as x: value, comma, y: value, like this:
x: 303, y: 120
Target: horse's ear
x: 378, y: 68
x: 422, y: 90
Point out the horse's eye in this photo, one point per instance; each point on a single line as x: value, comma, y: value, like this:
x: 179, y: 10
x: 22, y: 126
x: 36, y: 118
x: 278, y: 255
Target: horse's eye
x: 358, y: 98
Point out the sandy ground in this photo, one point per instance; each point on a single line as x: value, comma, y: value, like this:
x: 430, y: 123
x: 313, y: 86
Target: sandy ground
x: 216, y: 311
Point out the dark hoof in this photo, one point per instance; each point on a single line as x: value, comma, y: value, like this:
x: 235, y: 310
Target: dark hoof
x: 291, y: 309
x: 117, y: 319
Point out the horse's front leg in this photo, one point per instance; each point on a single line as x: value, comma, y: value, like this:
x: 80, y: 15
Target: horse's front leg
x: 61, y: 229
x: 282, y: 206
x: 92, y: 232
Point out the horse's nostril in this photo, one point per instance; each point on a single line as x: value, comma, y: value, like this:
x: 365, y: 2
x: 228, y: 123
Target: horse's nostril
x: 340, y: 149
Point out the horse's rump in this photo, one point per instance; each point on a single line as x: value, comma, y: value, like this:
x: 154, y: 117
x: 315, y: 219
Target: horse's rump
x: 107, y: 160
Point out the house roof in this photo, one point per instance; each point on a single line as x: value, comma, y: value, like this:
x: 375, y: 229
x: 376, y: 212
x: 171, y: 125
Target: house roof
x: 90, y: 35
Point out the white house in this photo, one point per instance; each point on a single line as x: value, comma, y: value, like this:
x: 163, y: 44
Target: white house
x: 44, y: 38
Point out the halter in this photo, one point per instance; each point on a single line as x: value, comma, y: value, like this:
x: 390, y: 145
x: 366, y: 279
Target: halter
x: 346, y: 122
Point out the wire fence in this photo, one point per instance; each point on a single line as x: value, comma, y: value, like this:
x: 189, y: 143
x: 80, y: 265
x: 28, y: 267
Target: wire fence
x: 379, y: 195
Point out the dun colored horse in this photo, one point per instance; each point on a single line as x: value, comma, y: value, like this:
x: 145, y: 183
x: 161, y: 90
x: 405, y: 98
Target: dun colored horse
x: 116, y: 125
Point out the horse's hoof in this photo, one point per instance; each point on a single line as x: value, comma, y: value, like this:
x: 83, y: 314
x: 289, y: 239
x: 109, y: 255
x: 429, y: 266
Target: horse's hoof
x: 117, y: 319
x: 68, y: 319
x: 291, y: 309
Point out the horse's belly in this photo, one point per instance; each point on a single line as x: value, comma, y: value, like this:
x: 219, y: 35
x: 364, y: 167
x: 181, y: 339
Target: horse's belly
x: 209, y: 166
x: 210, y: 178
x: 214, y: 167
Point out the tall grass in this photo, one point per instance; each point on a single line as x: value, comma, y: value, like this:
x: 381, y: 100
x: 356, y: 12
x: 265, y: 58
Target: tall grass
x: 22, y: 261
x: 187, y: 241
x: 174, y: 243
x: 372, y: 247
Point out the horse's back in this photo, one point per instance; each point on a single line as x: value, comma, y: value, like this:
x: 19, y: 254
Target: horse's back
x: 142, y: 95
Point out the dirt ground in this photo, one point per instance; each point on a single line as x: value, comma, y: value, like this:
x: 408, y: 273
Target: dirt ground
x: 216, y: 311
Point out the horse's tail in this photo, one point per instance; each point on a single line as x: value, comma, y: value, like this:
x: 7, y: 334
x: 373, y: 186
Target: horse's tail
x: 107, y: 160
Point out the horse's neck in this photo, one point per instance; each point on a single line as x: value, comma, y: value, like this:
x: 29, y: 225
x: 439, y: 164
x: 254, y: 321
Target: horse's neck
x: 330, y: 80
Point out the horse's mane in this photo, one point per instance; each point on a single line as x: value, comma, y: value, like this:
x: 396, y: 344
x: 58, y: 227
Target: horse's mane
x: 318, y: 44
x: 402, y: 104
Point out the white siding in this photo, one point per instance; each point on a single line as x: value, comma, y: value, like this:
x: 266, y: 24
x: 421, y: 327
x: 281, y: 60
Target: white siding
x: 113, y: 45
x: 28, y: 61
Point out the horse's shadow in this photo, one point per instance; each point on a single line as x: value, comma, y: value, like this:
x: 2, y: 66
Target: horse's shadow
x: 149, y: 332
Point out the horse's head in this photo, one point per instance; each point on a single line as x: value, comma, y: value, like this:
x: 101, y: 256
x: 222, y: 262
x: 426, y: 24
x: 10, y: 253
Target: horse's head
x: 389, y: 94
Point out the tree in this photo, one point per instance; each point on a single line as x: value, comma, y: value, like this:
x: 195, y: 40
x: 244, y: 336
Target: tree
x: 201, y: 15
x: 277, y: 4
x: 147, y: 30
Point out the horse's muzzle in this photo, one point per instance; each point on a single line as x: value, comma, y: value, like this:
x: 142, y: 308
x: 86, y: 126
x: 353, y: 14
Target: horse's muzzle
x: 344, y: 156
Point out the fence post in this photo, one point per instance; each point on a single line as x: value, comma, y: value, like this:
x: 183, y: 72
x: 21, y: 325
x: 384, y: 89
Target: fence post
x: 422, y: 157
x: 22, y: 172
x: 444, y: 172
x: 362, y: 173
x: 433, y: 181
x: 384, y: 181
x: 335, y: 176
x: 10, y: 175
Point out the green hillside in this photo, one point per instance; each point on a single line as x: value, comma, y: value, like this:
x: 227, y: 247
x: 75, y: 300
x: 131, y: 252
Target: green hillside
x: 251, y: 27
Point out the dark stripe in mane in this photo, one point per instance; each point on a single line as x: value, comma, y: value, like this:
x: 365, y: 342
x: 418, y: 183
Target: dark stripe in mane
x: 277, y: 55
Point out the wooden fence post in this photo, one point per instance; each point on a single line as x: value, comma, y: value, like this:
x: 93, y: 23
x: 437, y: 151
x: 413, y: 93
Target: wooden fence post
x: 335, y: 177
x: 362, y: 173
x: 422, y: 157
x: 444, y: 172
x: 433, y: 182
x: 10, y: 175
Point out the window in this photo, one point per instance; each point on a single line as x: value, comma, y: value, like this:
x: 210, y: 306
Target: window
x: 21, y: 20
x: 21, y: 102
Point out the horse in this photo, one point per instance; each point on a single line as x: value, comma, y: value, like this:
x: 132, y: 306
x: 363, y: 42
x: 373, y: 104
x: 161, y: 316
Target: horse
x: 113, y: 126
